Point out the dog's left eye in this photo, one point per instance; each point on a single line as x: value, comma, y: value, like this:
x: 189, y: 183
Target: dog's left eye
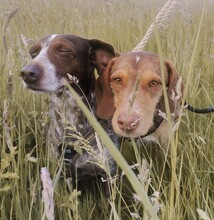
x: 62, y: 50
x: 154, y: 83
x: 66, y: 52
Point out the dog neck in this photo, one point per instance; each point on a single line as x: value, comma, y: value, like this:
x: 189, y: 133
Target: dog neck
x: 66, y: 116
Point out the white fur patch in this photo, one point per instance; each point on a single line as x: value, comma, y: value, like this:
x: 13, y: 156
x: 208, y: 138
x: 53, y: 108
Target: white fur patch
x: 137, y: 59
x: 50, y: 81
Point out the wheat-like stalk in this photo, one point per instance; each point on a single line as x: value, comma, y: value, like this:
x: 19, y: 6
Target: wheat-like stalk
x: 6, y: 126
x: 160, y: 19
x: 47, y: 193
x: 8, y: 16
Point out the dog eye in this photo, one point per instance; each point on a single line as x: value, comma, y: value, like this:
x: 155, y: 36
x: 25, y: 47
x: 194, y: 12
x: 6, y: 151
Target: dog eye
x: 66, y: 52
x: 34, y: 53
x: 117, y: 80
x: 154, y: 83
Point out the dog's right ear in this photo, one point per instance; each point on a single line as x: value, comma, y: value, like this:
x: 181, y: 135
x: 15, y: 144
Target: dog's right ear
x: 104, y: 95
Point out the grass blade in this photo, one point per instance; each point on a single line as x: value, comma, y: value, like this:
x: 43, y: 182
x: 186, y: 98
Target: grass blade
x: 138, y: 187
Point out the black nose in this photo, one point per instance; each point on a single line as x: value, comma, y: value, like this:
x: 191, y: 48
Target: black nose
x: 31, y: 74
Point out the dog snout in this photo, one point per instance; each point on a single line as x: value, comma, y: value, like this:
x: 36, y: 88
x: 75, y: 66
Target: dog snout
x: 31, y: 74
x: 128, y: 123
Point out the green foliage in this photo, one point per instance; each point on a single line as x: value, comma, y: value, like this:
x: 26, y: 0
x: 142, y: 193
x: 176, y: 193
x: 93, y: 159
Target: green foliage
x: 184, y: 179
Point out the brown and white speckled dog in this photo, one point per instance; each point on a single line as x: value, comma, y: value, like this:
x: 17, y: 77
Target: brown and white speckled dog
x: 54, y: 59
x: 131, y: 91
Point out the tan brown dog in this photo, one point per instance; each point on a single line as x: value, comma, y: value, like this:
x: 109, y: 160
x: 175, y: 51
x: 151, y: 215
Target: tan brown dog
x: 131, y: 90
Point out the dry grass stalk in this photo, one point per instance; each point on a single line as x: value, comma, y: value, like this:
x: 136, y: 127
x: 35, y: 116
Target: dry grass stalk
x: 6, y: 127
x: 203, y: 215
x: 10, y: 88
x: 8, y: 16
x: 47, y: 193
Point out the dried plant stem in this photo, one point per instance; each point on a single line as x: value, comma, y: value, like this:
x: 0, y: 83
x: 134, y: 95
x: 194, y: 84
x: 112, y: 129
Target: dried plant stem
x: 160, y: 19
x: 47, y: 193
x: 6, y: 127
x: 8, y: 16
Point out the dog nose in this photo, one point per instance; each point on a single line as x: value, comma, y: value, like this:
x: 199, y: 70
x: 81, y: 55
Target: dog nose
x: 128, y: 123
x: 30, y: 74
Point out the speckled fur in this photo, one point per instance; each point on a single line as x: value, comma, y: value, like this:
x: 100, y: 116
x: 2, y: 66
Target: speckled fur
x: 65, y: 115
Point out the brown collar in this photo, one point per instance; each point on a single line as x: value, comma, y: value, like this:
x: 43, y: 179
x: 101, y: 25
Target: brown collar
x: 157, y: 119
x: 156, y: 124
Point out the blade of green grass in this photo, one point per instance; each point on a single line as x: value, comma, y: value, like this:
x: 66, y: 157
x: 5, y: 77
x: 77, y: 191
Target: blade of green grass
x: 138, y: 187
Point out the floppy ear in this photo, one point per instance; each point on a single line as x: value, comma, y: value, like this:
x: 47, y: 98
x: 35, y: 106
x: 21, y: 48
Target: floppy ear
x: 174, y: 90
x: 104, y: 95
x: 100, y: 54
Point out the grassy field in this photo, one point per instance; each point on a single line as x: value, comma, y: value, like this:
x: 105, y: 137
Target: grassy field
x: 178, y: 184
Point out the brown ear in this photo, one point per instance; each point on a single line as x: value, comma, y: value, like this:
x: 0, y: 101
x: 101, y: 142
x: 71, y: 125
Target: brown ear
x: 100, y: 54
x: 104, y: 95
x: 173, y: 91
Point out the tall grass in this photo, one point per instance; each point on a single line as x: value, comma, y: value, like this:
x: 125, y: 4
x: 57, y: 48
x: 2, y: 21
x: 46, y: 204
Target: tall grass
x: 24, y: 118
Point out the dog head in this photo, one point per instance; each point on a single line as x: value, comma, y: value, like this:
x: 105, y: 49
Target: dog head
x: 56, y: 57
x: 131, y: 90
